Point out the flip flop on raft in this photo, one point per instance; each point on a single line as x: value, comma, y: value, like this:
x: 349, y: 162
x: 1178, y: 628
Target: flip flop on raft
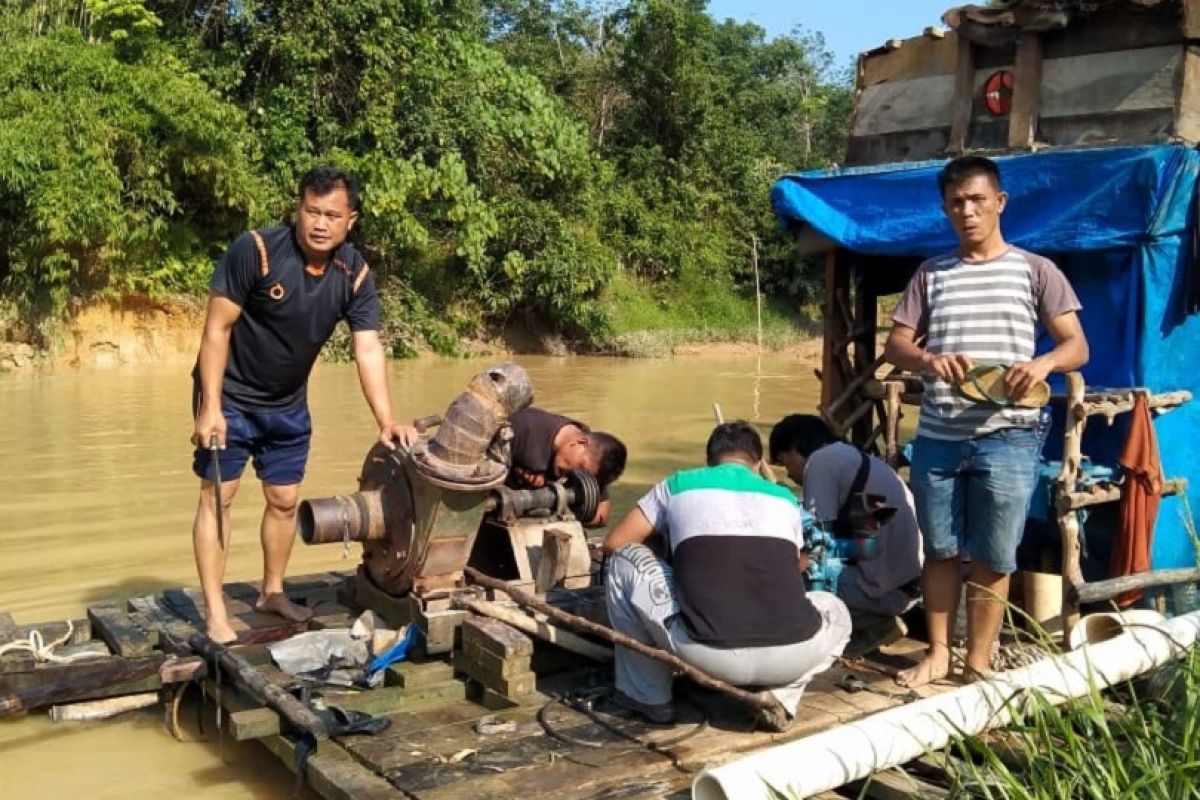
x: 985, y: 384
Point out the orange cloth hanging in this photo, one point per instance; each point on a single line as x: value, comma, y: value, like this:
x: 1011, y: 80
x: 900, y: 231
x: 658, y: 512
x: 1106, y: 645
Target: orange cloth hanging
x: 1140, y: 496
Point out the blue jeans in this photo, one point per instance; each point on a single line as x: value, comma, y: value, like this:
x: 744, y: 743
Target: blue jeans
x: 972, y: 495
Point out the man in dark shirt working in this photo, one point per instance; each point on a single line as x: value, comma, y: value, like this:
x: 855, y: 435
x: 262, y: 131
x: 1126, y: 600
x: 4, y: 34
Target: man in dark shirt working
x: 546, y: 446
x: 275, y: 299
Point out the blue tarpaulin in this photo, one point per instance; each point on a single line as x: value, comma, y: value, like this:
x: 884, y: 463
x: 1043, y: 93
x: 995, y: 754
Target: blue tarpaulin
x: 1120, y: 222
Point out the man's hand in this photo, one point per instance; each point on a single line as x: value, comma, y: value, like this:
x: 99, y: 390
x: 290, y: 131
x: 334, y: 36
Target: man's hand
x: 950, y: 367
x: 1020, y: 378
x: 395, y: 435
x: 209, y: 423
x: 534, y: 480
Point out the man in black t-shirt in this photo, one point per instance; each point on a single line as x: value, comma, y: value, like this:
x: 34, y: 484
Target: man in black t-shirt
x: 275, y: 299
x: 546, y: 446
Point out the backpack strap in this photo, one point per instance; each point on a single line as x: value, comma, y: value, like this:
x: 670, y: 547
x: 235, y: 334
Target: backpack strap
x: 264, y: 263
x: 841, y: 525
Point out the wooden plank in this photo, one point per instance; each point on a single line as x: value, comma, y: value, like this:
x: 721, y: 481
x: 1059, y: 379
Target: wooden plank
x: 394, y: 699
x: 17, y: 660
x: 1027, y: 91
x: 1106, y: 83
x: 1120, y: 26
x: 907, y: 105
x: 1191, y: 19
x: 497, y: 676
x: 963, y: 98
x: 900, y: 146
x: 895, y: 784
x: 122, y: 635
x: 499, y: 665
x: 51, y: 684
x: 412, y: 674
x: 496, y: 637
x: 333, y: 773
x: 555, y: 559
x: 920, y: 56
x: 1187, y: 125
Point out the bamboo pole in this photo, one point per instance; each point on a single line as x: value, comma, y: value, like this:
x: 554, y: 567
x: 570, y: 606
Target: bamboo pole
x: 102, y: 709
x: 761, y: 700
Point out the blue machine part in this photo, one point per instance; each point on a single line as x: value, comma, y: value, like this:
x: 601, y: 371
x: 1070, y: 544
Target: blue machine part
x: 828, y: 555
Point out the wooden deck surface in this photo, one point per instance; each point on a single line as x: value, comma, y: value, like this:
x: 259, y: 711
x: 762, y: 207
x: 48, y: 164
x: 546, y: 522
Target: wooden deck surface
x: 433, y: 749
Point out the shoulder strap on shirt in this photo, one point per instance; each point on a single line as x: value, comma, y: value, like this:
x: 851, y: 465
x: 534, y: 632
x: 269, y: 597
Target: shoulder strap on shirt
x: 842, y: 524
x: 264, y: 263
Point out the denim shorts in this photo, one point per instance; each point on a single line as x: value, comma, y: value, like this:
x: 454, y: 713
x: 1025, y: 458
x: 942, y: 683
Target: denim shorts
x: 278, y: 441
x: 972, y: 496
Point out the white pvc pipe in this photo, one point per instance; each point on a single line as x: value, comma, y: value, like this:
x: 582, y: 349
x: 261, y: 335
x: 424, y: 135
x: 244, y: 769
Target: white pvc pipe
x: 889, y: 738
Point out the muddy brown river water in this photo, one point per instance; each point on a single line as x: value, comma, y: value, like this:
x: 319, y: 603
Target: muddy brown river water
x: 97, y: 497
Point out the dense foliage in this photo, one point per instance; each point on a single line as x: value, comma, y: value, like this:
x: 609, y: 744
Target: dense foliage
x: 521, y: 158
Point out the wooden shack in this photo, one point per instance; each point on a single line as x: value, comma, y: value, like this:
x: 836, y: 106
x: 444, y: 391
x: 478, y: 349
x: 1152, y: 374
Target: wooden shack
x: 1093, y: 111
x: 1031, y: 75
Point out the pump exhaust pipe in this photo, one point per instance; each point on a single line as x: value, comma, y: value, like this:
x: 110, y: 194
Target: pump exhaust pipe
x: 357, y: 517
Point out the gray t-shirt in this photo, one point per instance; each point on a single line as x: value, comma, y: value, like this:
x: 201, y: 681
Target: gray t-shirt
x: 828, y: 476
x: 989, y: 312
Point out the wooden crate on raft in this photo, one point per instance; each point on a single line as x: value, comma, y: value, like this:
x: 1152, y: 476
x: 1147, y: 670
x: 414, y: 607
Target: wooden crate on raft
x: 1119, y: 72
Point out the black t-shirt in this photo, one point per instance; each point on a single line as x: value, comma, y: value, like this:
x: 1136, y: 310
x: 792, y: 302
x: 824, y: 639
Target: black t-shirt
x: 289, y: 311
x: 533, y: 443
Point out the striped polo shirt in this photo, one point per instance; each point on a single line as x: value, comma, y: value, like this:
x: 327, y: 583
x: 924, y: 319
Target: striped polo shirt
x: 734, y: 539
x: 988, y: 311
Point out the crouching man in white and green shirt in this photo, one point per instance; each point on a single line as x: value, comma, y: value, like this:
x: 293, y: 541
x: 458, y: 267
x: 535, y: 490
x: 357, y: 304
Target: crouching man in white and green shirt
x: 732, y: 601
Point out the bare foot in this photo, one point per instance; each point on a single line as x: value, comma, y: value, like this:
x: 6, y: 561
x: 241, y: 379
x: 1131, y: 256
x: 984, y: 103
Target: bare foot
x: 221, y: 632
x: 928, y: 671
x: 278, y: 603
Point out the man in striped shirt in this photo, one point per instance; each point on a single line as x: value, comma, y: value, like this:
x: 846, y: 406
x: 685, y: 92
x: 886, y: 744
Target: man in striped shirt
x: 974, y: 464
x: 732, y: 601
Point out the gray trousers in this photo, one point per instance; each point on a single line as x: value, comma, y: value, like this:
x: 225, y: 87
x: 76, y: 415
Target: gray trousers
x: 642, y: 604
x: 890, y: 604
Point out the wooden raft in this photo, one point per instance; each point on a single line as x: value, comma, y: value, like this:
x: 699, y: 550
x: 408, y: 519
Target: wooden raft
x: 436, y: 746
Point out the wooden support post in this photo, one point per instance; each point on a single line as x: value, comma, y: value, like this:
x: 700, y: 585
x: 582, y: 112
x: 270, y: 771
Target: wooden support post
x: 836, y: 286
x: 892, y: 400
x: 964, y: 97
x: 1068, y: 521
x: 554, y: 561
x: 1027, y: 91
x: 866, y: 312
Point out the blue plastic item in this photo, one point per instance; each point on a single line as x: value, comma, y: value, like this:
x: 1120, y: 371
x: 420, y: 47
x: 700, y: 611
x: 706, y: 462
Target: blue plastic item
x: 397, y: 652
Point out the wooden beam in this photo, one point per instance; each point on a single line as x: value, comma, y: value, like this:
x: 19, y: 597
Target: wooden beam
x: 554, y: 561
x: 1109, y: 493
x: 1027, y: 92
x: 1191, y: 19
x: 1103, y: 590
x: 866, y: 312
x: 1068, y: 521
x: 119, y: 632
x: 15, y: 660
x: 543, y: 630
x: 836, y: 284
x: 1187, y: 103
x: 964, y: 97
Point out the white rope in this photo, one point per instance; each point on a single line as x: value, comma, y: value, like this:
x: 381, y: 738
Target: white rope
x: 45, y: 652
